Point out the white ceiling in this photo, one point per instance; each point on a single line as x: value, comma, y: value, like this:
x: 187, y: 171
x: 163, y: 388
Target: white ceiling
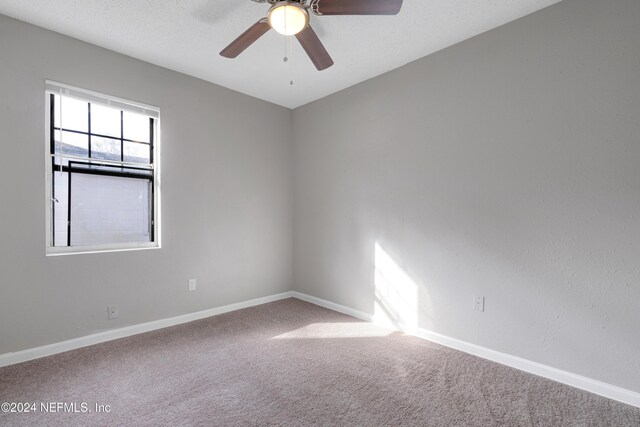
x: 186, y: 36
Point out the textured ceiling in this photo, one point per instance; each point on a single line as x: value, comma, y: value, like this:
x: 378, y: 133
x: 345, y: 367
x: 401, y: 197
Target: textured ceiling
x: 186, y: 36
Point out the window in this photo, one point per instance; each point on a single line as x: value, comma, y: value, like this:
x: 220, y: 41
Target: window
x: 102, y: 174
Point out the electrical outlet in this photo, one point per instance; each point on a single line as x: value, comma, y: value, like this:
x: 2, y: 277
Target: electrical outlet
x: 478, y: 304
x: 112, y: 313
x: 192, y: 285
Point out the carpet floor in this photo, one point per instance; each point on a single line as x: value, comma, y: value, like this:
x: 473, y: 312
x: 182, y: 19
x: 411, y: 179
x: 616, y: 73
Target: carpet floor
x: 290, y: 363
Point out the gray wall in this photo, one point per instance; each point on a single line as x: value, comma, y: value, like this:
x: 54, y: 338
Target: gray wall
x: 506, y: 166
x: 226, y: 197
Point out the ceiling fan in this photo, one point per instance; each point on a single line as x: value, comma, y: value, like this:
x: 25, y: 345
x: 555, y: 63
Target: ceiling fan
x: 291, y: 17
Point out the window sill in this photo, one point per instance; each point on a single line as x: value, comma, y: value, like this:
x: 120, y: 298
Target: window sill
x: 81, y: 250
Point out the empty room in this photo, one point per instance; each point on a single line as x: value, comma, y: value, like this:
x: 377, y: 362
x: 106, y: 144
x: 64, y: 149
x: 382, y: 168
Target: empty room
x: 320, y: 212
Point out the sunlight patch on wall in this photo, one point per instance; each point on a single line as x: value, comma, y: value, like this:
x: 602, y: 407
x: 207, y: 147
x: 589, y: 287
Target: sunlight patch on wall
x: 396, y: 294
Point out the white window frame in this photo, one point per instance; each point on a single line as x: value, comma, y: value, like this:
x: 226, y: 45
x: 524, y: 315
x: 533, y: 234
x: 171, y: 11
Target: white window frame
x: 63, y: 89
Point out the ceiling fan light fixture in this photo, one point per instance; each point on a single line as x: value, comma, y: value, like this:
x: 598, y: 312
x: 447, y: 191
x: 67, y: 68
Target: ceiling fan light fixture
x: 288, y: 18
x: 291, y: 18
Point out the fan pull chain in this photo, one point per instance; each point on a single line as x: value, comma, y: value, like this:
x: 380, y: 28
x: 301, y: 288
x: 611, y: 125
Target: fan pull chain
x: 285, y: 59
x: 290, y: 52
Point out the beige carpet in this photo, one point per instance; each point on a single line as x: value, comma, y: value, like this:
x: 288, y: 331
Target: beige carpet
x: 293, y: 363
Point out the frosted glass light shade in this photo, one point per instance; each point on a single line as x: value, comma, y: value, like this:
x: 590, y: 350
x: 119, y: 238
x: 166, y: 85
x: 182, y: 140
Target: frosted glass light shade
x: 288, y: 18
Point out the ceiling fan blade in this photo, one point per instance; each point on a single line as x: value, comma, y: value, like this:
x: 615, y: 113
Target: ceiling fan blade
x: 314, y: 48
x: 356, y: 7
x: 246, y: 39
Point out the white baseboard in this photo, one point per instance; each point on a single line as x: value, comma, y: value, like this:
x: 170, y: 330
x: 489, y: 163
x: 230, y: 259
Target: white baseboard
x: 60, y: 347
x: 578, y: 381
x: 597, y: 387
x: 333, y: 306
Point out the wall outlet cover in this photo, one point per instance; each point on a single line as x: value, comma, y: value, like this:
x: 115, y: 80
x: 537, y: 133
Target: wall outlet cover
x: 112, y: 312
x: 192, y: 284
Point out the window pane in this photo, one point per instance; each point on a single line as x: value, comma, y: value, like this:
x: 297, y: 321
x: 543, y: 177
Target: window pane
x: 105, y: 148
x: 100, y: 201
x: 105, y: 120
x: 56, y: 111
x: 136, y: 127
x: 136, y: 153
x: 71, y: 144
x: 107, y: 209
x: 74, y: 114
x: 60, y: 208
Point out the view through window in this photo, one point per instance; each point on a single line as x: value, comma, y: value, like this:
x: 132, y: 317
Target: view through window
x: 103, y: 173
